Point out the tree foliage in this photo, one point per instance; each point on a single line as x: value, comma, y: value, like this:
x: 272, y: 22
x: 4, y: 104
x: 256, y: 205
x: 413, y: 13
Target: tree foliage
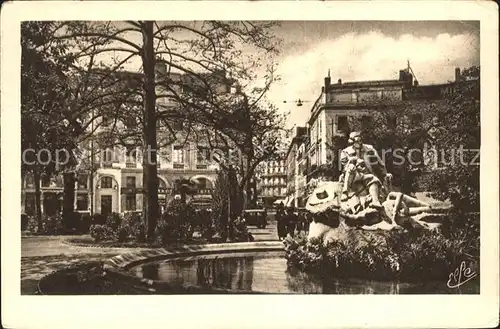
x: 459, y: 140
x: 48, y: 140
x: 207, y: 55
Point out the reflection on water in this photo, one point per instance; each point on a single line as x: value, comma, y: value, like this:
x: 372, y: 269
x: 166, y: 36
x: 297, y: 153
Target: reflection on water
x: 267, y: 272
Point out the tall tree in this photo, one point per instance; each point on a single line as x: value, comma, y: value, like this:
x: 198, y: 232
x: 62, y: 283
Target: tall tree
x: 47, y: 138
x: 250, y: 131
x: 457, y: 140
x: 195, y: 49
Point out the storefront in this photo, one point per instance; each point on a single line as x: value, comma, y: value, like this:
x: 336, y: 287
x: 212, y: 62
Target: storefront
x: 106, y: 195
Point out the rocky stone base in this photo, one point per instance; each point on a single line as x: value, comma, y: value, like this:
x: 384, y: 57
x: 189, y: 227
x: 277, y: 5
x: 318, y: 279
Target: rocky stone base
x: 344, y: 233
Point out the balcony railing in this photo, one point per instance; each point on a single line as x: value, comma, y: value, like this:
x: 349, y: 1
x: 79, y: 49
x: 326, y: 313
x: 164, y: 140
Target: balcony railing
x: 178, y: 165
x: 202, y: 166
x: 130, y: 165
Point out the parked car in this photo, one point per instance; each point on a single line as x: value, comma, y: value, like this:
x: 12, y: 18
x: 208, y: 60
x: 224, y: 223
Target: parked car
x: 256, y: 217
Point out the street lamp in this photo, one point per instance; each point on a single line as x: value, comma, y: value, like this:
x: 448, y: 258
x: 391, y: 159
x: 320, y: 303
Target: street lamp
x: 298, y: 102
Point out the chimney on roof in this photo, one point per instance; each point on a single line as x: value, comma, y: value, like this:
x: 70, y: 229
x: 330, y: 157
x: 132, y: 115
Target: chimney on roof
x: 402, y: 75
x: 328, y: 81
x: 457, y: 74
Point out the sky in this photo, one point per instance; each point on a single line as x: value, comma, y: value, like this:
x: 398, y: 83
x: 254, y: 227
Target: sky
x: 364, y: 50
x: 367, y: 50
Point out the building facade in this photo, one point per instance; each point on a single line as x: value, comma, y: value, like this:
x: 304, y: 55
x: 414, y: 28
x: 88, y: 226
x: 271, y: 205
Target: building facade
x: 336, y: 108
x: 271, y: 182
x: 295, y: 166
x: 339, y: 103
x: 110, y: 179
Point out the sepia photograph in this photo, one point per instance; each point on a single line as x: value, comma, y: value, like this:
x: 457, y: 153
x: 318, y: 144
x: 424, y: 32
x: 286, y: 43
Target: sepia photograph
x: 250, y: 157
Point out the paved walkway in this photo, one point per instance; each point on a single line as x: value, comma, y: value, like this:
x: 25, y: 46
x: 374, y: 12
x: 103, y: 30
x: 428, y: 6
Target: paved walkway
x: 270, y: 233
x: 41, y: 255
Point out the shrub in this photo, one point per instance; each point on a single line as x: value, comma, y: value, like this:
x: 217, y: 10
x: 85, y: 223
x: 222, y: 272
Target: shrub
x: 304, y: 254
x: 120, y: 228
x: 24, y: 222
x: 132, y: 227
x: 408, y: 256
x: 32, y: 225
x: 205, y: 224
x: 52, y: 225
x: 101, y: 233
x: 177, y: 222
x: 113, y: 221
x: 98, y: 219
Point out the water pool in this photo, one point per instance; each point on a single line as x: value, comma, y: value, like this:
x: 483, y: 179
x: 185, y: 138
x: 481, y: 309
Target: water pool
x: 267, y: 272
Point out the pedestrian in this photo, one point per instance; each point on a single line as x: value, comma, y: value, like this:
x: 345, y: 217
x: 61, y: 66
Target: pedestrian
x: 302, y: 222
x: 291, y: 221
x: 308, y: 220
x: 280, y: 221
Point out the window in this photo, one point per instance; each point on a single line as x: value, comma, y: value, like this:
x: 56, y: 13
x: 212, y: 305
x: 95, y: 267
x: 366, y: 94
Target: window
x: 45, y: 181
x: 83, y: 181
x: 107, y: 155
x: 106, y: 182
x: 131, y: 154
x: 202, y: 154
x: 30, y: 181
x: 131, y: 182
x: 178, y: 154
x: 130, y: 203
x: 29, y: 205
x: 342, y: 124
x: 82, y: 202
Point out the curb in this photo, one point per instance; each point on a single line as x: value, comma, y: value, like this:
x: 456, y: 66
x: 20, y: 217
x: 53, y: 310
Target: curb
x: 97, y: 246
x: 129, y: 259
x: 116, y: 267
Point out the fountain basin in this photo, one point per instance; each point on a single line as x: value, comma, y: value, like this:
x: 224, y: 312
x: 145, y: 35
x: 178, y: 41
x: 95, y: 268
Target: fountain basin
x: 243, y: 268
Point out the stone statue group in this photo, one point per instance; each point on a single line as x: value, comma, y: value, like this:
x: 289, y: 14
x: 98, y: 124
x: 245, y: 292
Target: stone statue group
x: 364, y: 197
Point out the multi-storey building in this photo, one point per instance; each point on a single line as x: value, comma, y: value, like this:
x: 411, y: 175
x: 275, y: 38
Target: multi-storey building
x: 109, y: 179
x: 271, y: 182
x: 292, y: 166
x: 337, y: 104
x: 302, y: 163
x: 340, y: 102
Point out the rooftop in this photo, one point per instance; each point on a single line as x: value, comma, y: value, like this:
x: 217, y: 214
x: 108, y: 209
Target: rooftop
x: 373, y: 83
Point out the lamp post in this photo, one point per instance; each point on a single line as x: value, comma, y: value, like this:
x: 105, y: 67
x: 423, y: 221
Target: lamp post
x: 297, y: 102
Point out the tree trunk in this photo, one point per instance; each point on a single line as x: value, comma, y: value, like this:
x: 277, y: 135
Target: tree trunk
x: 235, y: 195
x: 68, y: 200
x: 150, y: 171
x: 248, y: 187
x: 38, y: 194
